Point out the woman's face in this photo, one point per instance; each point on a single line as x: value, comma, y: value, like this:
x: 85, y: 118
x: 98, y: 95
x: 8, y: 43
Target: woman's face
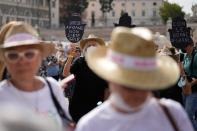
x: 23, y: 62
x: 188, y: 49
x: 89, y: 44
x: 132, y: 97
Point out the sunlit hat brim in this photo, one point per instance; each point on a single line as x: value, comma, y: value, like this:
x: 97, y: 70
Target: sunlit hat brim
x: 84, y: 41
x: 47, y: 48
x: 165, y: 75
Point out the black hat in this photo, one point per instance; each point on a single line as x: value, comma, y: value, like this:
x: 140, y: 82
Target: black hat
x: 125, y: 20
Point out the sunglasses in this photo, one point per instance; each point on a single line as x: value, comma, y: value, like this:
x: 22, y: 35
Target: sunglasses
x: 14, y: 56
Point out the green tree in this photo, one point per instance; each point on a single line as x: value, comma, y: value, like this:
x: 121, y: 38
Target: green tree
x: 105, y: 7
x: 168, y: 10
x: 76, y: 6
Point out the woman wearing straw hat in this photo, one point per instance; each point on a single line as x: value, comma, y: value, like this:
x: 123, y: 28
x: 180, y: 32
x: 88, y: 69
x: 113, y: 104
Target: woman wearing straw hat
x: 89, y: 88
x: 174, y: 92
x: 132, y: 69
x: 22, y: 52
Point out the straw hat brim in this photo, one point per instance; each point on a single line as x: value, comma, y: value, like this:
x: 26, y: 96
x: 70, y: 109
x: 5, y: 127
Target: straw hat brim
x: 46, y: 48
x: 84, y: 41
x: 165, y: 75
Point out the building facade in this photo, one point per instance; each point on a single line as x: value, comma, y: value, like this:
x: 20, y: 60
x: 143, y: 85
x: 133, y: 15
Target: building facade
x: 143, y: 12
x: 194, y: 10
x: 35, y: 12
x: 55, y: 15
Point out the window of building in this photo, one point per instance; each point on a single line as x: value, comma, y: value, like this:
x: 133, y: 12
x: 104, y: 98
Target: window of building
x: 133, y: 4
x: 1, y: 13
x: 28, y: 2
x: 7, y: 20
x: 154, y: 3
x: 133, y: 13
x: 18, y: 1
x: 53, y: 4
x: 113, y: 4
x: 27, y: 13
x: 154, y: 13
x: 31, y: 2
x: 123, y: 4
x: 113, y: 13
x: 11, y: 11
x: 41, y: 3
x: 36, y: 2
x: 92, y: 4
x: 143, y: 3
x: 1, y: 20
x: 143, y: 13
x: 53, y: 15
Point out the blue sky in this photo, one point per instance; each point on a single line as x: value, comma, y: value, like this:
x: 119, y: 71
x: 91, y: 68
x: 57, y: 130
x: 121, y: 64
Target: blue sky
x: 186, y: 4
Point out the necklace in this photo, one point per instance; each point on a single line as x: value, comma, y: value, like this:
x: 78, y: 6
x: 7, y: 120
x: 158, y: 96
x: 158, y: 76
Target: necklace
x: 29, y: 99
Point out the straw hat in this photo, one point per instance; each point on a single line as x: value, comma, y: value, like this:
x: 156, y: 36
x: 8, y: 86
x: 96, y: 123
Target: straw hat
x: 131, y: 60
x: 91, y: 37
x: 170, y: 51
x: 17, y: 33
x: 161, y: 40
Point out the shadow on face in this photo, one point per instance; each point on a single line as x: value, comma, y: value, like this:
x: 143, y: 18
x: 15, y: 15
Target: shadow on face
x: 130, y: 95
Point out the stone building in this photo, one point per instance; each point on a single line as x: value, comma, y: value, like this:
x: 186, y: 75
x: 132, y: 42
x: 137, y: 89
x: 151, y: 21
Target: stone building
x: 143, y: 12
x: 193, y: 22
x: 193, y: 18
x: 35, y: 12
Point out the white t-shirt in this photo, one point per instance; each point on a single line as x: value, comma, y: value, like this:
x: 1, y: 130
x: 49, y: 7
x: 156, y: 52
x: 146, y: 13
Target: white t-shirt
x: 150, y: 118
x: 39, y: 101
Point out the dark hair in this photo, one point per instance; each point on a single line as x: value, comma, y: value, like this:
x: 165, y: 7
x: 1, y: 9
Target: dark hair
x: 172, y: 50
x: 191, y: 42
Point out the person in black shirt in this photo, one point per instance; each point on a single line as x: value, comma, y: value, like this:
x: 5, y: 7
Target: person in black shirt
x: 89, y: 88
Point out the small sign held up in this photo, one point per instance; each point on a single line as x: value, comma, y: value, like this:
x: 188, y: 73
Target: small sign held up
x: 74, y: 28
x: 180, y: 33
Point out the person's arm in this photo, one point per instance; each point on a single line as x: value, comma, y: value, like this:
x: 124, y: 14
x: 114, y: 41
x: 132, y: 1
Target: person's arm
x: 182, y: 71
x: 66, y: 70
x: 65, y: 82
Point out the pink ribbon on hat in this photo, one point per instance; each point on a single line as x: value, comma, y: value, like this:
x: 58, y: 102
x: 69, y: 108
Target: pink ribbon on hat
x: 130, y: 62
x: 21, y: 37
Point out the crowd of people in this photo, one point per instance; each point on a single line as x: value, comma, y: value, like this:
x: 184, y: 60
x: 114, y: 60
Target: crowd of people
x: 138, y: 82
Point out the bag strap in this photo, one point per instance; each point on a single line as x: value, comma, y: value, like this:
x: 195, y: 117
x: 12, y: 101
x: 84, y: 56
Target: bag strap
x: 168, y: 114
x: 59, y: 108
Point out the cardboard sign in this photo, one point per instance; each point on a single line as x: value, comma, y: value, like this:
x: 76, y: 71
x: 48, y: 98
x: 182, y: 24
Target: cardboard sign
x: 74, y: 28
x: 180, y: 33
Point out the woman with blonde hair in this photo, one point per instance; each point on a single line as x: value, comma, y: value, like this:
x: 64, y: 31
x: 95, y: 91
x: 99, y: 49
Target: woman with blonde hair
x: 22, y: 52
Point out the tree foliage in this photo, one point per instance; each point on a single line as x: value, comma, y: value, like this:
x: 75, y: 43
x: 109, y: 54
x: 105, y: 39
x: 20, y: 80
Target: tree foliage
x: 106, y: 5
x: 76, y: 6
x: 172, y: 10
